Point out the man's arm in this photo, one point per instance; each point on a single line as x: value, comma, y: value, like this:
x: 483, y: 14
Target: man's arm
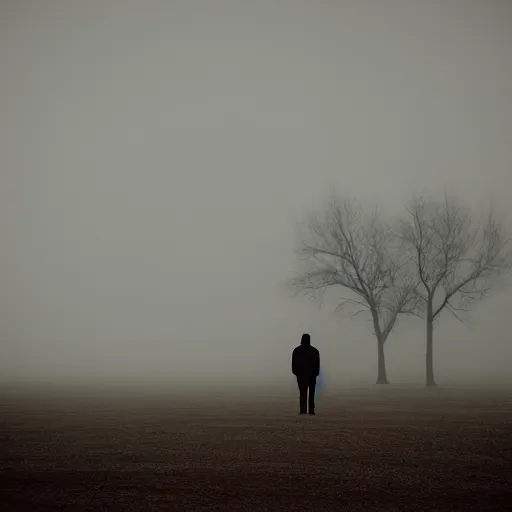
x: 317, y: 364
x: 294, y: 362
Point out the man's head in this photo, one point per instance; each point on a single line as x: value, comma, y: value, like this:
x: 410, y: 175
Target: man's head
x: 306, y: 339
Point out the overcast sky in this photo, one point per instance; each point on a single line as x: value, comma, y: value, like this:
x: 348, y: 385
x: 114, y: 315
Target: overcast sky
x: 154, y: 156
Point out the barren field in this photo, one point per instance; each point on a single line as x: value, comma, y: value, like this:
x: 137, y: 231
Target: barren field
x: 376, y: 449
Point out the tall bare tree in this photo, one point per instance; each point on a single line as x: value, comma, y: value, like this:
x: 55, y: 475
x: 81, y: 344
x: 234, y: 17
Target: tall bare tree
x: 345, y: 247
x: 457, y: 258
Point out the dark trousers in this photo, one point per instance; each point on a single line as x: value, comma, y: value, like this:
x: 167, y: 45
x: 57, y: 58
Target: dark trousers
x: 307, y: 384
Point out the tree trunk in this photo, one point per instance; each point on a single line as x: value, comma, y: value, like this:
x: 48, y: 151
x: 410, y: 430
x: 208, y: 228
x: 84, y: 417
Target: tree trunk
x: 430, y: 381
x: 382, y: 377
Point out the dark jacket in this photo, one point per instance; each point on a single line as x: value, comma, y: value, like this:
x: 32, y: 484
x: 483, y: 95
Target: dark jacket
x: 305, y: 359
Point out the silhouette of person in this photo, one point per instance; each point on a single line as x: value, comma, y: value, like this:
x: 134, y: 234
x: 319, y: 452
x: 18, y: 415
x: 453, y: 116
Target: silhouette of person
x: 306, y: 367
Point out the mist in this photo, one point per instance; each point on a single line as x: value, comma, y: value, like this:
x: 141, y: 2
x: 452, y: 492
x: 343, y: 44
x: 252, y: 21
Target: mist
x: 155, y: 157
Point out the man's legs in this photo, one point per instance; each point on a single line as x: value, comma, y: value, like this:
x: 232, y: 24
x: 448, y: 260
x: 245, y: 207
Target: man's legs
x: 303, y: 390
x: 312, y: 388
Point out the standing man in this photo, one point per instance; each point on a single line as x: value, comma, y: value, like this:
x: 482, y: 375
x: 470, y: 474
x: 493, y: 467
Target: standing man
x: 306, y: 367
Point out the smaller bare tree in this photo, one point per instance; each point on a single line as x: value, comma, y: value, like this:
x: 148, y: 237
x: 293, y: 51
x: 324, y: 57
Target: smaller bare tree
x: 457, y: 259
x: 344, y: 247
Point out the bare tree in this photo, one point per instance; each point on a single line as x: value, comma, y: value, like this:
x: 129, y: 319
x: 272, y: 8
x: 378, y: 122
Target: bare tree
x: 347, y: 248
x: 457, y: 259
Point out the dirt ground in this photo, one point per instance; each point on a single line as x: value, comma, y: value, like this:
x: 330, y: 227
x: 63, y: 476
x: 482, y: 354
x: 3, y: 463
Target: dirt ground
x: 376, y: 449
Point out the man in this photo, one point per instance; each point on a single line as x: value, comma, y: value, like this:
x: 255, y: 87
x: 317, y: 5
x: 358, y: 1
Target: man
x: 306, y: 367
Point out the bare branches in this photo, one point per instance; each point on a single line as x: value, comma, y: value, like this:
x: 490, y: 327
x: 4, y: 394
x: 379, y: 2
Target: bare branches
x: 363, y: 308
x: 348, y: 248
x: 454, y: 254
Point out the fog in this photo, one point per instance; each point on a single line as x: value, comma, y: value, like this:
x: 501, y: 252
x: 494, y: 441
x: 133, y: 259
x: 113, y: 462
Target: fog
x: 155, y: 157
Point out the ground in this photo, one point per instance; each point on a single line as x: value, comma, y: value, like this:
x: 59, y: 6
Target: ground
x: 377, y: 449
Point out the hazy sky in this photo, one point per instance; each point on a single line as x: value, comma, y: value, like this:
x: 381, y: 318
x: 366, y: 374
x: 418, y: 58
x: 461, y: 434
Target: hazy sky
x: 154, y: 156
